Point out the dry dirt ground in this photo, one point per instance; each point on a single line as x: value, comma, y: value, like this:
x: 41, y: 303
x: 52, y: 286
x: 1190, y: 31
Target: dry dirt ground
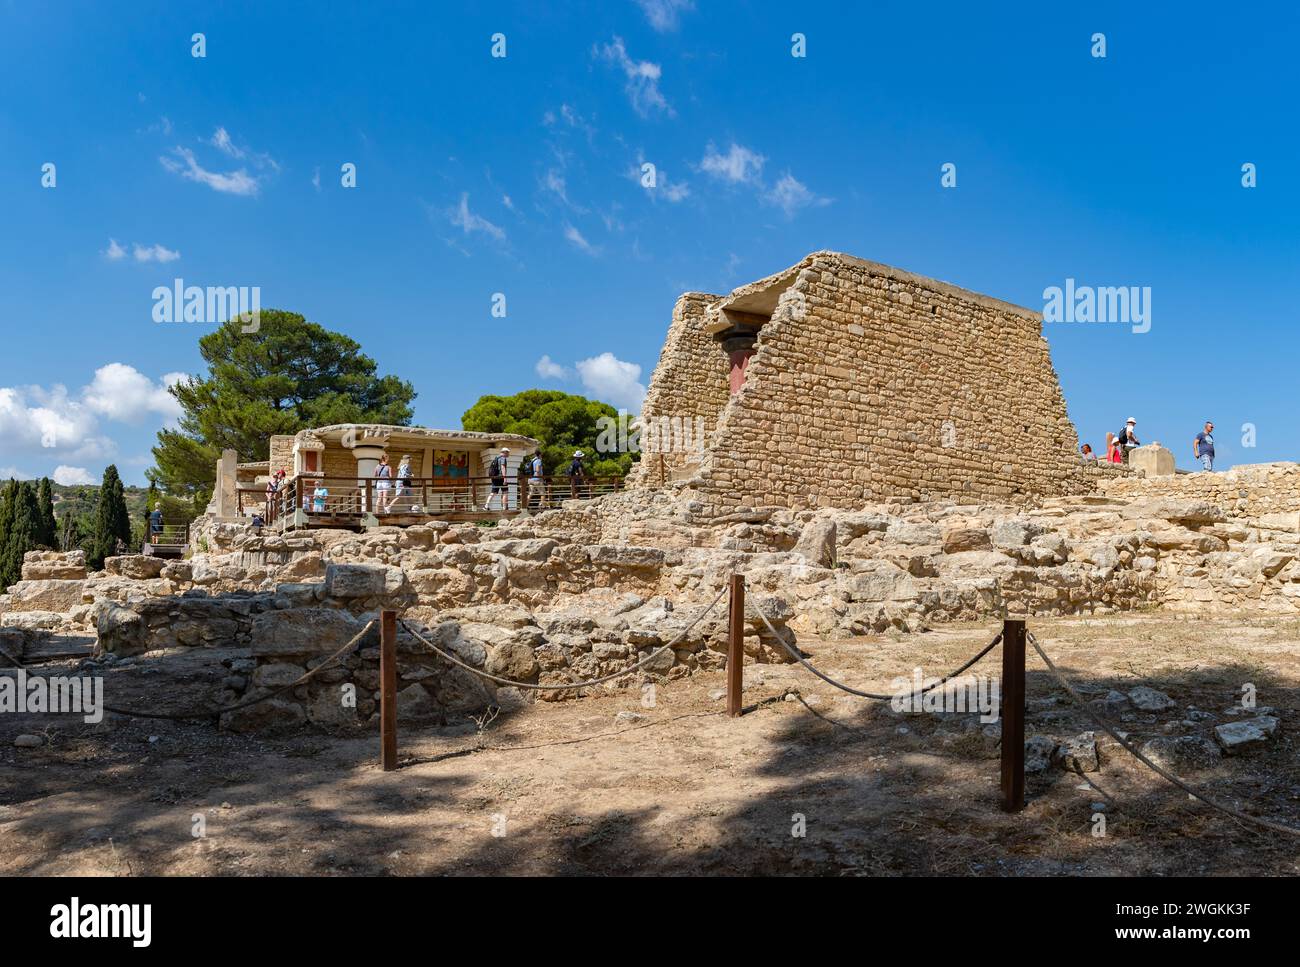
x: 575, y: 788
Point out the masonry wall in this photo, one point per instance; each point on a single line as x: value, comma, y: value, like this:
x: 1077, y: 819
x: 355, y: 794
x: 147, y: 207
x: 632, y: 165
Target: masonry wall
x: 281, y: 454
x: 1249, y: 490
x: 870, y: 382
x: 690, y: 381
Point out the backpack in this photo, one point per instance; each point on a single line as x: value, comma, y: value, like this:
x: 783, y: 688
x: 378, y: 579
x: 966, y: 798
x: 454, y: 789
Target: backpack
x: 495, y: 469
x: 535, y: 466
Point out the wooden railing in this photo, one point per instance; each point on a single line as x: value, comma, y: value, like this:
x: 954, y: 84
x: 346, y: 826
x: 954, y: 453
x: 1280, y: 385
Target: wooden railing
x: 171, y: 535
x: 347, y: 499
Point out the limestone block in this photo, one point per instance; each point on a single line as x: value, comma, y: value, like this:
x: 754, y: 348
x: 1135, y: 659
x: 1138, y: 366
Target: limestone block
x: 1155, y: 460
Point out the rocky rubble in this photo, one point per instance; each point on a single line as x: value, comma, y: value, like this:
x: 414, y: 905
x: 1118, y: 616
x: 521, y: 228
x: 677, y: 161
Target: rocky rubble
x: 590, y: 588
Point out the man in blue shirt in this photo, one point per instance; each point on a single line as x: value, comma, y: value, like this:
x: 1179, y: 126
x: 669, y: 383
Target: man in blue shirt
x: 1203, y: 446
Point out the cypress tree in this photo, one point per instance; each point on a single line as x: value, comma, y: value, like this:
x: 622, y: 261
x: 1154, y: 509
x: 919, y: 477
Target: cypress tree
x: 111, y: 518
x: 69, y: 532
x: 24, y: 525
x: 49, y: 531
x: 8, y: 500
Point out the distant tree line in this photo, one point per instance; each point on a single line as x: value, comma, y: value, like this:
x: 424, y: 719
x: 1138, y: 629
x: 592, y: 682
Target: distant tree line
x: 28, y: 523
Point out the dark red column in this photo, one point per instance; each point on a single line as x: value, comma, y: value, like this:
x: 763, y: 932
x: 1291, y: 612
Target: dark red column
x: 739, y: 363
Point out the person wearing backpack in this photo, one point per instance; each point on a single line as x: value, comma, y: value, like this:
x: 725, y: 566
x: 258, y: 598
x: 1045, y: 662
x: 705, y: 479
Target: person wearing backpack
x: 497, y: 470
x: 577, y: 474
x: 535, y: 482
x: 1127, y: 440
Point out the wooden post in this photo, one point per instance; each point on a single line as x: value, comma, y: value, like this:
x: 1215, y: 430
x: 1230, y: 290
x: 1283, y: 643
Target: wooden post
x: 736, y: 645
x: 1013, y: 716
x: 388, y: 688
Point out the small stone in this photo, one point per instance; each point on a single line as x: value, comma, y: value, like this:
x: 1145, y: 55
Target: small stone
x: 1182, y: 754
x: 1038, y: 753
x: 28, y: 742
x: 629, y: 717
x: 1079, y: 754
x: 1149, y: 699
x: 1246, y: 736
x: 1097, y: 807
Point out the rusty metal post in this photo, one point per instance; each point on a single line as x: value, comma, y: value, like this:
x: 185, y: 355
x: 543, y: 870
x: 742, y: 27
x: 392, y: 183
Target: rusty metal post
x: 388, y: 688
x: 1013, y: 716
x: 736, y: 645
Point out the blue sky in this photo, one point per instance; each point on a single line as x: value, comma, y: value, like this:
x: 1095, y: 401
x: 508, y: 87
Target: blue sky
x: 478, y: 175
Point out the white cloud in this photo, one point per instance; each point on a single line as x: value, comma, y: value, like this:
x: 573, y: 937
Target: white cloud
x: 738, y: 166
x: 613, y: 381
x: 576, y: 237
x: 642, y: 78
x: 63, y: 474
x: 122, y: 392
x: 462, y: 217
x: 547, y: 368
x: 790, y: 195
x: 221, y: 141
x: 154, y: 253
x: 664, y: 187
x: 40, y: 426
x: 315, y: 178
x: 664, y: 15
x: 675, y: 191
x: 553, y: 182
x: 233, y: 183
x: 38, y: 422
x: 114, y: 252
x: 505, y: 200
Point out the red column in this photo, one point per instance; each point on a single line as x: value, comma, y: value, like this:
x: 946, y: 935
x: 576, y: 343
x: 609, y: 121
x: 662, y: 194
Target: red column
x: 739, y: 363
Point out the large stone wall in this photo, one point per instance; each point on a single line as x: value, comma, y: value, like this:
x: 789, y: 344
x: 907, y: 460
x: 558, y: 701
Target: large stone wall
x: 690, y: 382
x: 869, y: 383
x: 1249, y: 490
x: 281, y: 454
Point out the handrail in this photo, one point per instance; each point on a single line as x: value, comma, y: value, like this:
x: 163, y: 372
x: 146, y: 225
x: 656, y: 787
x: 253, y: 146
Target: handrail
x: 335, y: 497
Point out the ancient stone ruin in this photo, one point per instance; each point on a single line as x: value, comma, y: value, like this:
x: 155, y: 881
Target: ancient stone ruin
x: 825, y: 478
x: 840, y: 382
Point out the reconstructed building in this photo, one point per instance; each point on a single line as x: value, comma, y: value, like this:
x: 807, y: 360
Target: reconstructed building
x: 841, y: 381
x: 329, y: 476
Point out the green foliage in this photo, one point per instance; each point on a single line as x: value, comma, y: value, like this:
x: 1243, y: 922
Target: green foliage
x: 8, y: 504
x: 77, y: 502
x: 562, y: 422
x: 289, y: 375
x: 69, y: 533
x: 111, y: 521
x: 22, y: 528
x: 49, y: 529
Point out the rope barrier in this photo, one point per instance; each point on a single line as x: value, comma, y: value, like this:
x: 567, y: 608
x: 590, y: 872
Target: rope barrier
x: 218, y: 712
x: 794, y: 653
x: 586, y: 684
x: 1133, y: 751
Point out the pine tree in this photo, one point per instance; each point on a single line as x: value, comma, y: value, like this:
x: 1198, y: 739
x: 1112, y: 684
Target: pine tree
x: 24, y: 526
x: 112, y: 522
x: 49, y: 531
